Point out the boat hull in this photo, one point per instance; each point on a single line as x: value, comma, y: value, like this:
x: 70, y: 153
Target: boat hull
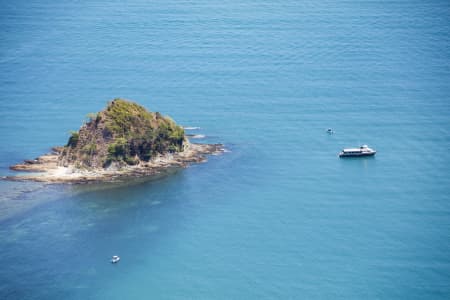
x: 357, y: 154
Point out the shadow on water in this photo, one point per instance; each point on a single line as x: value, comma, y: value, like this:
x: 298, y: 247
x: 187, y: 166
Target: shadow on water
x: 353, y: 164
x: 131, y: 196
x: 125, y: 182
x: 19, y: 198
x: 356, y: 158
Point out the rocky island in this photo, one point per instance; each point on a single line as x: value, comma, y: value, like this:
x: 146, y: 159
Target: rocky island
x: 123, y: 140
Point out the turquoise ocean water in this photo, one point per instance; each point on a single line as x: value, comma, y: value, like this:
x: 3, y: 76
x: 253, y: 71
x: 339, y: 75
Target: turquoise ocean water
x: 279, y: 216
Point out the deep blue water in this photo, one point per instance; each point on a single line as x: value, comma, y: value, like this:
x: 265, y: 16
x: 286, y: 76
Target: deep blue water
x: 280, y: 216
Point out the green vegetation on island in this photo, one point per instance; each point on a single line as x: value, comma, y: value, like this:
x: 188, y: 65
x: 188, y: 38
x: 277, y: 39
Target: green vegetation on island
x: 125, y: 133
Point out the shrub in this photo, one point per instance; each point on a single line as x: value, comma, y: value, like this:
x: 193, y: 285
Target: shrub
x: 91, y: 117
x: 117, y: 149
x: 89, y: 149
x: 73, y: 140
x: 130, y: 160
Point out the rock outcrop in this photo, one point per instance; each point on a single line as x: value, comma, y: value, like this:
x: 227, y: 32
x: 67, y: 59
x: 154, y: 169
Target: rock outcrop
x: 125, y: 133
x: 122, y: 140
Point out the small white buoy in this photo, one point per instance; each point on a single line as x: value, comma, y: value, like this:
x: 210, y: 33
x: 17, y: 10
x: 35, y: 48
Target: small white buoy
x: 115, y: 259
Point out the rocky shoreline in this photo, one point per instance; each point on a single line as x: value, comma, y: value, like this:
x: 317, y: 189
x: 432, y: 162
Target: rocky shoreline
x: 47, y: 168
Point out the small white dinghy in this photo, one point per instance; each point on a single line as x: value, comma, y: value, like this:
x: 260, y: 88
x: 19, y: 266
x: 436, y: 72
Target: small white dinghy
x: 115, y: 259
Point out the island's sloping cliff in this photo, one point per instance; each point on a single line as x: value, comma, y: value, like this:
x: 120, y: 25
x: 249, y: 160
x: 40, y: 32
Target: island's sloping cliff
x: 125, y: 133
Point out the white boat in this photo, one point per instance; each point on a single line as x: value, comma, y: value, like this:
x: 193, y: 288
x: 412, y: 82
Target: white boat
x: 115, y: 259
x: 364, y: 150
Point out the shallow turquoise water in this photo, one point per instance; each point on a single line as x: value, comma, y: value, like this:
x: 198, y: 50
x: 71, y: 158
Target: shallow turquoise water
x: 277, y: 217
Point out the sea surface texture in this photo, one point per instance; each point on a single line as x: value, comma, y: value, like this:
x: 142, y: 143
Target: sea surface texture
x: 279, y: 215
